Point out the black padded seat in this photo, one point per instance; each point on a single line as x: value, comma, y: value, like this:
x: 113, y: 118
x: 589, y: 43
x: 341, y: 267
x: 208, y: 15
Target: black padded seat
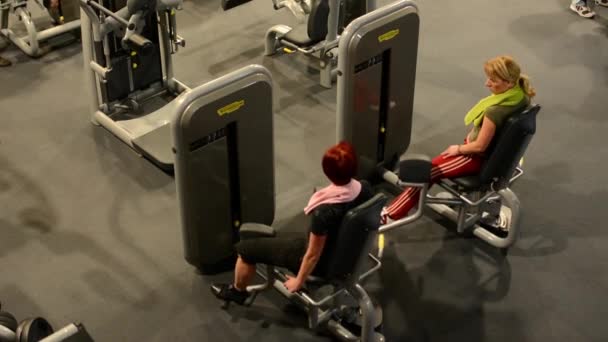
x: 505, y: 152
x: 358, y: 227
x: 468, y: 183
x: 298, y: 36
x: 255, y: 230
x: 316, y: 28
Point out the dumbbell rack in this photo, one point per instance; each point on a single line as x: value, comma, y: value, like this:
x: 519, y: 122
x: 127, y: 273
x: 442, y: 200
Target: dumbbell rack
x: 38, y: 329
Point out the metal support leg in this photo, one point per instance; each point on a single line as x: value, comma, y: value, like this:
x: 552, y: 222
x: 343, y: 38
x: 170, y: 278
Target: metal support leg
x: 367, y: 314
x: 272, y: 36
x: 31, y: 46
x: 510, y: 200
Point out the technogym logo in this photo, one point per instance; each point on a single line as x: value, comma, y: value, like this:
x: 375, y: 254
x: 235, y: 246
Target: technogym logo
x: 234, y: 106
x: 388, y: 35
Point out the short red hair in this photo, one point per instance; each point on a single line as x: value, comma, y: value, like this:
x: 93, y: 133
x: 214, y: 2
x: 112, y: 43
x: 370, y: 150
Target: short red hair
x: 340, y: 163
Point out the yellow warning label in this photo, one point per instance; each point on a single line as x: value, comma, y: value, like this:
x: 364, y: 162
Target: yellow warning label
x: 234, y: 106
x: 388, y: 35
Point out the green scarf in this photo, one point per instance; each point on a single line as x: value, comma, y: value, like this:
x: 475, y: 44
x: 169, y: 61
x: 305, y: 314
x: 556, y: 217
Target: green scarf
x: 510, y: 97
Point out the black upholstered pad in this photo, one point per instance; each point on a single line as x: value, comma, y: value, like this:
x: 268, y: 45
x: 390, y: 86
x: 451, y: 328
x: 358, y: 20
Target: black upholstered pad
x: 468, y: 182
x: 299, y: 37
x: 255, y: 230
x: 357, y: 227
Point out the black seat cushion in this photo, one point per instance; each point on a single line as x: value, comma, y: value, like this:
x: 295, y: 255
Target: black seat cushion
x: 316, y: 28
x: 468, y: 182
x: 299, y: 37
x: 317, y: 20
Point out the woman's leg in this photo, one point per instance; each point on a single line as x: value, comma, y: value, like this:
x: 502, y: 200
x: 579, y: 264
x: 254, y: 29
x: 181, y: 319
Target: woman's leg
x: 442, y: 167
x: 243, y: 273
x: 283, y: 250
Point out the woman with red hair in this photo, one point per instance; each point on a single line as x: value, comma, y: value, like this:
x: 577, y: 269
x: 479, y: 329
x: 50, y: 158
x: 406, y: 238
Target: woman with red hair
x: 309, y: 253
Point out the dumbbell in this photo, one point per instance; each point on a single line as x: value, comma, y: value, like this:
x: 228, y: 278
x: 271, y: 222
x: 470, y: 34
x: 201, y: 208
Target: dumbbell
x: 8, y: 325
x: 33, y: 330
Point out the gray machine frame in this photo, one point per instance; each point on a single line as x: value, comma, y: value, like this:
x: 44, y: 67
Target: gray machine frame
x: 464, y: 209
x: 217, y: 135
x: 469, y: 207
x: 224, y: 163
x: 31, y: 43
x: 325, y: 51
x: 150, y: 129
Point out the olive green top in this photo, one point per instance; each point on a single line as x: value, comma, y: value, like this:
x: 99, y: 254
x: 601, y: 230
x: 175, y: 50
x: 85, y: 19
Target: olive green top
x: 498, y: 114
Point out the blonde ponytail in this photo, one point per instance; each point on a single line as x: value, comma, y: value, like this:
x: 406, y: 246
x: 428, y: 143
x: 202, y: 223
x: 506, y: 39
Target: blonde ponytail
x: 524, y: 83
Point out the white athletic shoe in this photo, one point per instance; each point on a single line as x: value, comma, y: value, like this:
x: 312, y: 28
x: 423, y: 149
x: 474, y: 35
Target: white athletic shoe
x: 602, y: 2
x: 502, y: 222
x: 384, y: 218
x: 583, y: 10
x: 504, y: 219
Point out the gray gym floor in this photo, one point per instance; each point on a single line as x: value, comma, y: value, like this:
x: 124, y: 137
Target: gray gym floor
x: 89, y: 231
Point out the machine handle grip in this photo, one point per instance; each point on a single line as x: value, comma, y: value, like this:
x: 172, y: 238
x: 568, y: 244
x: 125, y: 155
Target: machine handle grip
x: 140, y: 44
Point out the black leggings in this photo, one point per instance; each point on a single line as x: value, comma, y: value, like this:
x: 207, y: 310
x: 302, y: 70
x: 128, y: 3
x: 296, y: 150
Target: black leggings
x: 285, y: 249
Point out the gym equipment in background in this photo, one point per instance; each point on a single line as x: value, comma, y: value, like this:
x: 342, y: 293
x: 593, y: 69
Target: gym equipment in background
x: 320, y: 37
x: 222, y: 130
x: 127, y: 50
x: 65, y: 19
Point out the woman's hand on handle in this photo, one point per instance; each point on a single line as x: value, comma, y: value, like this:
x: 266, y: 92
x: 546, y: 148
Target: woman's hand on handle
x: 293, y: 284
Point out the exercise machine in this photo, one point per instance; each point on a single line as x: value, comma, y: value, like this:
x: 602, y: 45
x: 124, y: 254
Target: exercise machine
x: 348, y: 304
x: 127, y: 49
x: 224, y: 163
x: 347, y: 310
x: 320, y: 37
x: 375, y: 107
x: 65, y: 19
x: 325, y: 20
x: 216, y: 138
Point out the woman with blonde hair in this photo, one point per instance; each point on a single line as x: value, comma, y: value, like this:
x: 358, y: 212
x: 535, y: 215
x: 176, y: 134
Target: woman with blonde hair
x: 511, y: 92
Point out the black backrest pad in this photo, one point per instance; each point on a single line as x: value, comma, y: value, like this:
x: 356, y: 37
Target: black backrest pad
x: 358, y: 228
x: 317, y: 20
x: 509, y: 146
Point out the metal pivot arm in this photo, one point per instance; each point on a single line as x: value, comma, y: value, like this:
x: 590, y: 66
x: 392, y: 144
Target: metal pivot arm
x: 118, y: 16
x: 135, y: 41
x: 299, y: 8
x: 416, y: 172
x: 116, y: 20
x: 410, y: 218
